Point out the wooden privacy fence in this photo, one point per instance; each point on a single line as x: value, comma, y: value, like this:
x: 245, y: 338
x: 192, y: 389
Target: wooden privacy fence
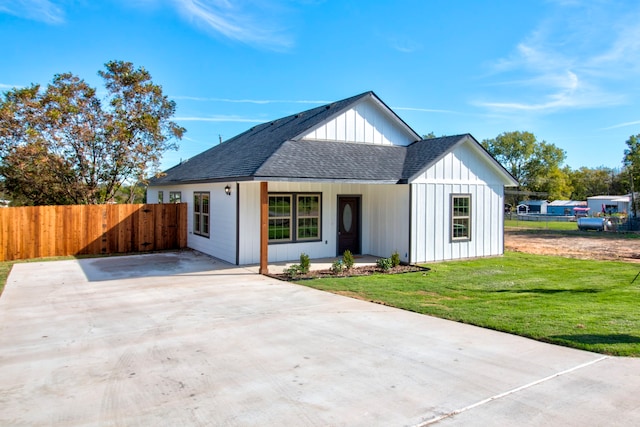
x: 44, y: 231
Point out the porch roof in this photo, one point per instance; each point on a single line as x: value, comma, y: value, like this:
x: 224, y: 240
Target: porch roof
x: 318, y: 161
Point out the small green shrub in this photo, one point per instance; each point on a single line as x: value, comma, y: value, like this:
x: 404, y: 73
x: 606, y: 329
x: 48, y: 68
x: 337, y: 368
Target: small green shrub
x: 348, y: 259
x: 305, y: 263
x: 337, y: 266
x: 395, y: 259
x: 293, y: 271
x: 384, y: 264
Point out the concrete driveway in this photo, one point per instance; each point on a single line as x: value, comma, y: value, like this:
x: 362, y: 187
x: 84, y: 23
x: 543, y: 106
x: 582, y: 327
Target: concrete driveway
x: 181, y: 339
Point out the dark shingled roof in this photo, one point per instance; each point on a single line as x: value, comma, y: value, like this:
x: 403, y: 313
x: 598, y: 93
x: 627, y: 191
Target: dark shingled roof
x: 326, y: 160
x: 422, y: 154
x: 241, y: 156
x: 323, y: 160
x: 268, y: 151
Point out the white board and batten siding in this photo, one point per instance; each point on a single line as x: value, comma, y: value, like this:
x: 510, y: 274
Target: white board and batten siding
x: 461, y: 171
x: 365, y: 123
x: 221, y: 242
x: 384, y: 220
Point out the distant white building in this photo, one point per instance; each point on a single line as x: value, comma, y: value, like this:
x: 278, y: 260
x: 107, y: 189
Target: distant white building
x: 608, y: 205
x: 534, y: 206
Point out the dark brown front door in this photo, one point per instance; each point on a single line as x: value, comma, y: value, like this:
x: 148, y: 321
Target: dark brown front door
x: 348, y: 224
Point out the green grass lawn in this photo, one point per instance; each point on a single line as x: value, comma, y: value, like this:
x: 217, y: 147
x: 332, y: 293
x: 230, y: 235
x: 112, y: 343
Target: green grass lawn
x: 592, y: 305
x: 541, y: 225
x: 5, y: 268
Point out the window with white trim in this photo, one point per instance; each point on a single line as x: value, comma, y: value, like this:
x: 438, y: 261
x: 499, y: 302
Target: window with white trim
x: 460, y: 217
x: 294, y: 217
x: 160, y: 196
x: 175, y: 196
x: 201, y: 213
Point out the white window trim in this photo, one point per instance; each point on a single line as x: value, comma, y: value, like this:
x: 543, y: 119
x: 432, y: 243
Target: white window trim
x: 172, y: 196
x: 199, y: 217
x: 455, y: 217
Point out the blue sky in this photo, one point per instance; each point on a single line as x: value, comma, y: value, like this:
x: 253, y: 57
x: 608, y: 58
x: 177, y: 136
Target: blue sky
x: 566, y: 70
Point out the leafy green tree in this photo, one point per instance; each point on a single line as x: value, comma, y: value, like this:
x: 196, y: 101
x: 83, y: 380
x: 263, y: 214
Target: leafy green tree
x: 537, y: 165
x: 132, y: 194
x: 631, y: 162
x: 631, y: 159
x: 557, y: 184
x: 587, y: 182
x: 620, y: 182
x: 64, y: 145
x: 28, y: 180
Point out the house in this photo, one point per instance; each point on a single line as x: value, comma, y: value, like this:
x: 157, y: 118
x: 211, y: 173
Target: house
x: 608, y: 205
x: 566, y: 207
x: 535, y: 206
x: 347, y: 175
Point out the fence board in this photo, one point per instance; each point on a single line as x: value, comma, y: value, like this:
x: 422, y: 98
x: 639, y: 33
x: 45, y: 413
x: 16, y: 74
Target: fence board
x: 44, y: 231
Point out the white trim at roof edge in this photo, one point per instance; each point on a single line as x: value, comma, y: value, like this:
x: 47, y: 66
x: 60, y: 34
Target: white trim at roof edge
x: 509, y: 180
x: 384, y: 108
x: 394, y: 116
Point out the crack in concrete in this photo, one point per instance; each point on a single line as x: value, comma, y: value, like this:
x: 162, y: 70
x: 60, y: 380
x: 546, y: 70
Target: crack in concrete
x: 508, y: 393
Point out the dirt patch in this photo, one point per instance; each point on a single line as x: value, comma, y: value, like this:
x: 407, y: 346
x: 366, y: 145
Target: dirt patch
x: 584, y: 245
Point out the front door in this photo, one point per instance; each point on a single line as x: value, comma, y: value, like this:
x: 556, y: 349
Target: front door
x: 348, y: 224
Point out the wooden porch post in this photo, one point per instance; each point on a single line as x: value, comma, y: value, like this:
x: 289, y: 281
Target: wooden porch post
x: 264, y: 228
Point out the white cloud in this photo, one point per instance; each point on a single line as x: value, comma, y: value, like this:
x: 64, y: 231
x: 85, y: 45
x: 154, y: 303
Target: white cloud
x: 37, y: 10
x: 566, y: 91
x: 251, y: 101
x: 405, y: 45
x: 622, y: 125
x: 254, y: 22
x: 570, y: 61
x: 424, y: 110
x: 6, y: 86
x: 624, y: 50
x: 220, y: 118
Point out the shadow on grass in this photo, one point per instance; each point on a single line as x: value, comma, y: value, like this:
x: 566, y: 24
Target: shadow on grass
x: 598, y: 338
x: 548, y: 291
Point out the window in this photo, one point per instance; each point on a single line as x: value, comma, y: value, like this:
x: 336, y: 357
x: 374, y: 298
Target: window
x: 160, y: 196
x: 201, y: 213
x: 280, y: 218
x: 175, y: 196
x: 294, y: 217
x: 460, y: 217
x: 308, y: 211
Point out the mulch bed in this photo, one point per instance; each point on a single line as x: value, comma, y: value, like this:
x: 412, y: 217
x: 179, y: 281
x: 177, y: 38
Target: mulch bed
x: 366, y: 270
